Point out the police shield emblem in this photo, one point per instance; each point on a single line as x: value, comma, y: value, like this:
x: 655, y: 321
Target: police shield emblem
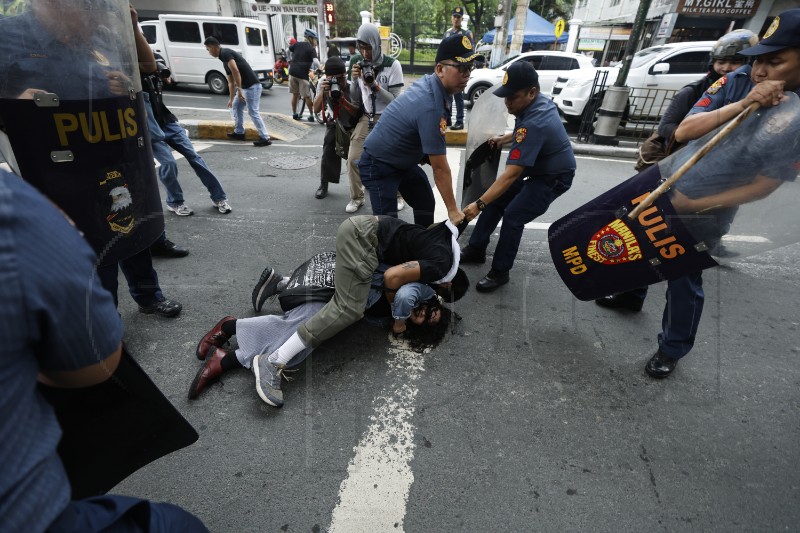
x: 728, y: 195
x: 479, y: 162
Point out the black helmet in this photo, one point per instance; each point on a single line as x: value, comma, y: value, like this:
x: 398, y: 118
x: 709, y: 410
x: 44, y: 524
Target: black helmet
x: 732, y: 43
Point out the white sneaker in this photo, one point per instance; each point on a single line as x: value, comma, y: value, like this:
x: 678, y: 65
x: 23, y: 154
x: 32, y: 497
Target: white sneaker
x: 354, y: 205
x: 223, y: 207
x: 182, y: 210
x: 400, y: 204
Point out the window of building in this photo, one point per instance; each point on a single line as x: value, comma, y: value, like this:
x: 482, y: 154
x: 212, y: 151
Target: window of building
x: 183, y: 32
x: 224, y: 33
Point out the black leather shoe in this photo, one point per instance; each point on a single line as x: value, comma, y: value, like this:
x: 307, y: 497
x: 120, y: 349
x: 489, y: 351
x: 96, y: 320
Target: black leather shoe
x: 322, y: 192
x: 470, y: 254
x: 492, y: 281
x: 235, y: 136
x: 167, y: 248
x: 296, y: 116
x: 262, y: 142
x: 458, y: 126
x: 165, y: 308
x: 660, y: 366
x: 623, y: 300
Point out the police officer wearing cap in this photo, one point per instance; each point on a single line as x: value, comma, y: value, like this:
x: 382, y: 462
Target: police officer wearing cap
x: 412, y: 128
x: 776, y: 69
x: 539, y: 169
x: 458, y: 14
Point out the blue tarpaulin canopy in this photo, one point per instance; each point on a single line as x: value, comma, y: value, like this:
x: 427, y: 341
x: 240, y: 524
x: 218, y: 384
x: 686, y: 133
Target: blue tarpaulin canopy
x: 537, y: 31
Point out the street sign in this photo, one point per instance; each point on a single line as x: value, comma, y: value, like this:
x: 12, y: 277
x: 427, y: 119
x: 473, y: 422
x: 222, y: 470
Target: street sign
x: 286, y: 9
x: 559, y: 27
x: 330, y: 15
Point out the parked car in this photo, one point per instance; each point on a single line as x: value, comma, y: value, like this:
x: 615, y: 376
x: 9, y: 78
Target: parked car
x: 550, y: 65
x: 670, y: 66
x: 179, y: 39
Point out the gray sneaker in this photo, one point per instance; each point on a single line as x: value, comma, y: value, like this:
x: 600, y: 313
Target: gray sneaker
x: 266, y: 287
x: 268, y: 379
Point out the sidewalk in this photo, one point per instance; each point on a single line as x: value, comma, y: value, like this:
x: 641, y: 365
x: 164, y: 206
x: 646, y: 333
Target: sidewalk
x: 215, y: 124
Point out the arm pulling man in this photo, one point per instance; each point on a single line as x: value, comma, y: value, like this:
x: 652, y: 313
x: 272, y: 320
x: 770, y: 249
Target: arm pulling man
x: 539, y: 169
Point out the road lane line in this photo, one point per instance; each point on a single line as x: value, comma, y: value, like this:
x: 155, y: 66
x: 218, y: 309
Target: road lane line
x: 374, y: 495
x: 187, y: 96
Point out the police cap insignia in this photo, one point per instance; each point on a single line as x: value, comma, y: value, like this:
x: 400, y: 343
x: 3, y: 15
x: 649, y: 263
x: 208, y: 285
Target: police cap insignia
x: 466, y: 42
x: 773, y: 27
x: 505, y: 78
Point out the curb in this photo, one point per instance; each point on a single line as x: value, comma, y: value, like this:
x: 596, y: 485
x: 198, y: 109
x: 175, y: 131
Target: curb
x: 284, y: 128
x: 280, y: 127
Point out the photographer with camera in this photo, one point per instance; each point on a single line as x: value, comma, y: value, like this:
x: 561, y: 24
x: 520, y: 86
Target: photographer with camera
x: 340, y: 116
x: 377, y: 80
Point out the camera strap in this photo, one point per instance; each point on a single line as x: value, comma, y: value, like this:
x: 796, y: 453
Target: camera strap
x: 373, y: 96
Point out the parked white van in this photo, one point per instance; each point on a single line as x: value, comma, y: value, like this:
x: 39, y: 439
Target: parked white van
x: 179, y: 40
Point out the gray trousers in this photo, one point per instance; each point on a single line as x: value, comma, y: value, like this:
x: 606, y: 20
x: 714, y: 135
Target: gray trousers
x: 356, y: 260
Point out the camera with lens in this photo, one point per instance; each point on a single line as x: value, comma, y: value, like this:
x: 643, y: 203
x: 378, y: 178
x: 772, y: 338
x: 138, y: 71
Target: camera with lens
x: 336, y: 91
x: 367, y: 72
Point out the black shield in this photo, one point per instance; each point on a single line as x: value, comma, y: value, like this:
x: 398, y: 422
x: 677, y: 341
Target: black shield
x: 113, y: 429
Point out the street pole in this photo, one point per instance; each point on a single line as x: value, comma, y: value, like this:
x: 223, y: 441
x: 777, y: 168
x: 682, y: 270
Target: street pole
x: 616, y: 97
x: 520, y: 18
x: 501, y: 33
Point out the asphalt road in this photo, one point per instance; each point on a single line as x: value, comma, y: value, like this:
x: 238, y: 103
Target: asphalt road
x: 533, y: 415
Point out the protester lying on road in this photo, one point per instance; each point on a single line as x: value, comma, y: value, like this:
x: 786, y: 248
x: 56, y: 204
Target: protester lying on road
x: 415, y: 310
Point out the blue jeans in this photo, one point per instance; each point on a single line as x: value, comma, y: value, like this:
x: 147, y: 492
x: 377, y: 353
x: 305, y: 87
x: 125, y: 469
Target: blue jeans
x: 382, y: 181
x: 168, y: 172
x: 140, y: 274
x: 252, y: 97
x: 685, y: 298
x: 177, y: 140
x: 521, y: 203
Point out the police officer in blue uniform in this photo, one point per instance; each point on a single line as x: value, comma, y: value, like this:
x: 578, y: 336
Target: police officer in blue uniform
x: 776, y: 69
x: 411, y: 128
x: 458, y: 98
x: 539, y: 169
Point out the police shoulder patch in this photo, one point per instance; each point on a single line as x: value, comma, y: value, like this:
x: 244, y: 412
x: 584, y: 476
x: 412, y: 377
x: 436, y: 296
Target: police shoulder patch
x: 705, y: 102
x: 442, y: 126
x: 717, y: 85
x: 520, y: 135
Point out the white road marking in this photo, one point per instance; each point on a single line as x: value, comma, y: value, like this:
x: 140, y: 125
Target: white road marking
x: 755, y: 239
x: 374, y: 495
x: 188, y: 96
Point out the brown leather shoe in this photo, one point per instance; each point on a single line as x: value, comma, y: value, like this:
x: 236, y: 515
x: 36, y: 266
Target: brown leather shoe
x: 215, y: 337
x: 210, y: 373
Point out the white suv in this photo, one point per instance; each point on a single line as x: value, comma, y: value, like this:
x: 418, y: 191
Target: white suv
x: 670, y: 66
x: 548, y: 64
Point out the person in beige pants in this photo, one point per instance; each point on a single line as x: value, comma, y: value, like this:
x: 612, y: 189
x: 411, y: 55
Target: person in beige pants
x: 373, y: 95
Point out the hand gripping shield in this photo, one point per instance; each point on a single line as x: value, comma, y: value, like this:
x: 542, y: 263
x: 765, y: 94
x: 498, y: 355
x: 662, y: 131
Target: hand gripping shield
x: 743, y: 192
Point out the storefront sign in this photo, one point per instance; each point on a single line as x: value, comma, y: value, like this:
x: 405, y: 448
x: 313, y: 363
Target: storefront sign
x: 596, y: 45
x: 285, y: 9
x: 719, y: 8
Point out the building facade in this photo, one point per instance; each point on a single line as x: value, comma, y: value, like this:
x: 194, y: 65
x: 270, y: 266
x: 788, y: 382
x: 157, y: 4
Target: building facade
x: 601, y: 28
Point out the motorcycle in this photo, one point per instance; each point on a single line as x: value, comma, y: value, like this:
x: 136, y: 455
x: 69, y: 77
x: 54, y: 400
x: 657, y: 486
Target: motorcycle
x: 281, y: 68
